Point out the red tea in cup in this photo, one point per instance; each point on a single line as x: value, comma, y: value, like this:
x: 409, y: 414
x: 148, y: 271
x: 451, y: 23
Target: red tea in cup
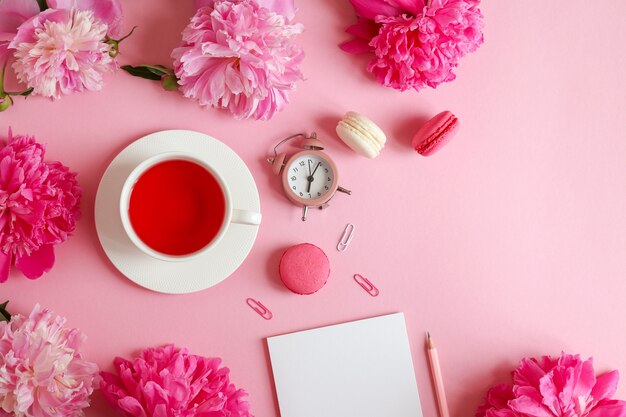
x: 177, y: 207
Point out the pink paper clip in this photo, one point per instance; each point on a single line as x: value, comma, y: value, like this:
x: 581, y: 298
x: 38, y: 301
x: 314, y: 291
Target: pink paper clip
x: 367, y: 285
x: 259, y: 308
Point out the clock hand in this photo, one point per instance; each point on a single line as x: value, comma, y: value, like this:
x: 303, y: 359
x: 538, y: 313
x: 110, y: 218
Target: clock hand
x: 316, y: 167
x: 310, y: 178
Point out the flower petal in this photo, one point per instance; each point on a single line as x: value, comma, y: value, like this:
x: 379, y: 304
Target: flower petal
x: 131, y: 406
x: 5, y: 266
x: 501, y: 413
x: 15, y: 12
x: 606, y: 385
x: 204, y: 3
x: 364, y: 29
x: 528, y: 373
x: 612, y: 408
x: 585, y: 380
x: 550, y: 391
x: 528, y: 406
x: 413, y: 7
x: 370, y: 9
x: 286, y: 8
x: 107, y: 11
x: 356, y: 46
x: 37, y: 263
x: 4, y: 52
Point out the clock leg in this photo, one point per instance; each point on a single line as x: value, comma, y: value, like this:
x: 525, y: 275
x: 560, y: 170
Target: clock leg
x: 305, y: 210
x: 343, y: 190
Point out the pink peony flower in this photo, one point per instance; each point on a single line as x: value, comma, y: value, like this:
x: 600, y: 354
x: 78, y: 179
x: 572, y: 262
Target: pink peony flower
x: 61, y: 52
x: 170, y: 382
x: 240, y: 57
x: 39, y: 207
x: 562, y: 387
x: 415, y: 44
x: 42, y: 373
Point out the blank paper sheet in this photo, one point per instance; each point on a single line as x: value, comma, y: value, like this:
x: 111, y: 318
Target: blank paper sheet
x: 358, y: 369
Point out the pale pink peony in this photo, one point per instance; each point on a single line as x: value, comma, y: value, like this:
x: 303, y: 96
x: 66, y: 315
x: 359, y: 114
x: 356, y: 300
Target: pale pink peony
x: 42, y: 374
x: 170, y: 382
x: 60, y: 52
x: 562, y: 387
x: 240, y: 57
x: 415, y: 44
x: 39, y: 207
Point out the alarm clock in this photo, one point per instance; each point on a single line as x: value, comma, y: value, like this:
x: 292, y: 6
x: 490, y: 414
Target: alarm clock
x: 310, y: 177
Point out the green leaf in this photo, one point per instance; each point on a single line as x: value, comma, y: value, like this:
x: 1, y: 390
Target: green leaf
x: 149, y: 72
x: 159, y: 69
x: 42, y: 5
x: 141, y: 72
x: 4, y: 314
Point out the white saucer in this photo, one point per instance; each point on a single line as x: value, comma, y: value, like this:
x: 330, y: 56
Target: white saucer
x: 176, y: 277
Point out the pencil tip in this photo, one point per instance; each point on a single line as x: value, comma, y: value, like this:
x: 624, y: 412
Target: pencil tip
x: 429, y: 341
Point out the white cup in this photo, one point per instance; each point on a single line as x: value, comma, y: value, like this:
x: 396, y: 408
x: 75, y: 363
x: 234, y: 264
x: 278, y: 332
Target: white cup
x: 232, y: 215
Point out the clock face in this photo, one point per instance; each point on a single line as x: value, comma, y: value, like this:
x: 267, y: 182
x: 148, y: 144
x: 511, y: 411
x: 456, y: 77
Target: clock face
x: 310, y: 177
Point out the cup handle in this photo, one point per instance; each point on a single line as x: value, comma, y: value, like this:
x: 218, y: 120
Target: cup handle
x: 246, y: 217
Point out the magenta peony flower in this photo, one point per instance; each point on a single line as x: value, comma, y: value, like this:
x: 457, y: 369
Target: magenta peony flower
x: 41, y: 371
x: 61, y: 52
x: 415, y: 44
x: 562, y: 387
x: 240, y: 57
x: 170, y: 382
x: 39, y: 207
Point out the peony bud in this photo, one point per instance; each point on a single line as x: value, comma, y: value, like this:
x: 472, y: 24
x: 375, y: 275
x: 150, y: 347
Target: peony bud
x: 115, y: 48
x: 169, y: 82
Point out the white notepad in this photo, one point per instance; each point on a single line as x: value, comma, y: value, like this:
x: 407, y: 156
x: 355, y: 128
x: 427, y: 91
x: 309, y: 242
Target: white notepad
x: 358, y: 369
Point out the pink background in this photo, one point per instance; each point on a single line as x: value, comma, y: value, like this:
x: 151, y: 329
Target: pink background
x: 509, y: 242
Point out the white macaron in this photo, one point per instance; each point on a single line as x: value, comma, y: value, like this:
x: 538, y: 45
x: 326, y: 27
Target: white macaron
x: 361, y: 134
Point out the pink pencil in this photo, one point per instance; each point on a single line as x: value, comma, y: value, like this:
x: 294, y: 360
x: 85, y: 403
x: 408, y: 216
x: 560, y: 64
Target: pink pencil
x: 437, y: 380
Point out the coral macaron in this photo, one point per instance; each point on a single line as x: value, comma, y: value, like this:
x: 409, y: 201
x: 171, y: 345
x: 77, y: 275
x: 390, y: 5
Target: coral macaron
x: 435, y: 133
x: 304, y: 268
x: 361, y: 134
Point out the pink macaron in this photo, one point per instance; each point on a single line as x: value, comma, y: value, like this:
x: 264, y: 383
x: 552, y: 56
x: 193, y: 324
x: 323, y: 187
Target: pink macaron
x: 435, y: 133
x: 304, y: 268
